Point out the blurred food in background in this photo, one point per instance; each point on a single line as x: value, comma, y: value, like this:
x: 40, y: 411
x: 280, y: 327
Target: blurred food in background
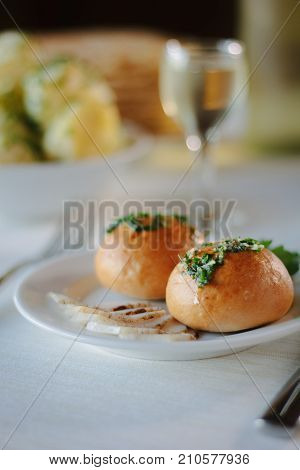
x: 53, y: 109
x: 16, y: 58
x: 42, y: 100
x: 129, y: 61
x: 111, y: 76
x: 19, y: 138
x: 75, y: 108
x: 89, y: 127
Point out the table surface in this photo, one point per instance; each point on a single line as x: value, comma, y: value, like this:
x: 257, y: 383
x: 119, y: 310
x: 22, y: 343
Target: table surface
x: 54, y: 397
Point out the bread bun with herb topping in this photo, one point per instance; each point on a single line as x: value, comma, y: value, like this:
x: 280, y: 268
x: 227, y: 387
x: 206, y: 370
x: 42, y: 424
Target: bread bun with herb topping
x: 139, y: 252
x: 229, y: 286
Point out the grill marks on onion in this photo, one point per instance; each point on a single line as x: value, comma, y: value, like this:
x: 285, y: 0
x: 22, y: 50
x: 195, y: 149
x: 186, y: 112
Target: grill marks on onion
x: 141, y: 321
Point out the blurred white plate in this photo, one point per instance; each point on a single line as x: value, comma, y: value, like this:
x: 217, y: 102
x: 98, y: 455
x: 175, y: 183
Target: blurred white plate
x: 37, y: 190
x: 73, y: 275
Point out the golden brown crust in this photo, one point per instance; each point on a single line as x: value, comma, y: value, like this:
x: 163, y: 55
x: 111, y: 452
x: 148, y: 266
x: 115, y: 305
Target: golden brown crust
x: 248, y: 290
x: 139, y: 264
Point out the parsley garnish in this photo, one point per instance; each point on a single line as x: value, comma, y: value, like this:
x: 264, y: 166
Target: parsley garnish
x: 144, y: 221
x: 202, y: 265
x: 181, y: 218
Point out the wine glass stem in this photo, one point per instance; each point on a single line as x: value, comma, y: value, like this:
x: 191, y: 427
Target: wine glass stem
x: 203, y: 187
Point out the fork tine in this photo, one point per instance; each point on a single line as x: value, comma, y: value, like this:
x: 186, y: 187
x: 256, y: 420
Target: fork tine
x: 285, y: 407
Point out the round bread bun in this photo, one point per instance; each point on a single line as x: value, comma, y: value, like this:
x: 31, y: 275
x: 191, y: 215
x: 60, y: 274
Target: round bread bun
x: 139, y: 263
x: 250, y: 289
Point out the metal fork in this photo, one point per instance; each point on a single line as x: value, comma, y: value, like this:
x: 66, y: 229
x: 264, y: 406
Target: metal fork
x: 285, y: 407
x: 54, y: 247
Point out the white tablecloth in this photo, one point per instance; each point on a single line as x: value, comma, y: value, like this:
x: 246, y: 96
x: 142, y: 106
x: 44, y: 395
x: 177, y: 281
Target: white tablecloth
x: 100, y: 401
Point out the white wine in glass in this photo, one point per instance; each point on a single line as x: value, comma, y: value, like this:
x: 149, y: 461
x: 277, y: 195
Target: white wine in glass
x: 198, y: 83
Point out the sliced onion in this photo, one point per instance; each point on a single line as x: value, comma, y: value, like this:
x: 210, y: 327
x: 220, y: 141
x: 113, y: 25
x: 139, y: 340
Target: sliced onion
x: 130, y: 321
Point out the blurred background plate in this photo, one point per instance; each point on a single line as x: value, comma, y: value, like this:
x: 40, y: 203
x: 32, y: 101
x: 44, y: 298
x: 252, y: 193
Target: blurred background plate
x: 37, y: 190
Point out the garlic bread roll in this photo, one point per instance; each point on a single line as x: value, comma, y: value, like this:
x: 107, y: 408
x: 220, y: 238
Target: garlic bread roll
x: 248, y: 289
x: 137, y: 260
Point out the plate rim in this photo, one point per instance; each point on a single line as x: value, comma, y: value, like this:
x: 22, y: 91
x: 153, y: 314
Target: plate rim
x: 142, y: 142
x: 256, y: 336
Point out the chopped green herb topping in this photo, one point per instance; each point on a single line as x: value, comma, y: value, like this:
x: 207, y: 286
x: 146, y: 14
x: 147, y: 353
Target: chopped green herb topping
x: 202, y: 265
x: 181, y: 218
x: 143, y: 221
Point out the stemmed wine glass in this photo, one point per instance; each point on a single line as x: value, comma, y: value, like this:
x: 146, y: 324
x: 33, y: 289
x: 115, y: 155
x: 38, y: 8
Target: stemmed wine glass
x: 199, y: 81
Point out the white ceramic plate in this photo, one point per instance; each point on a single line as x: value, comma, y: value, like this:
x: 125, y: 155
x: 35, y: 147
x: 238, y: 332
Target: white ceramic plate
x: 37, y: 190
x: 73, y: 275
